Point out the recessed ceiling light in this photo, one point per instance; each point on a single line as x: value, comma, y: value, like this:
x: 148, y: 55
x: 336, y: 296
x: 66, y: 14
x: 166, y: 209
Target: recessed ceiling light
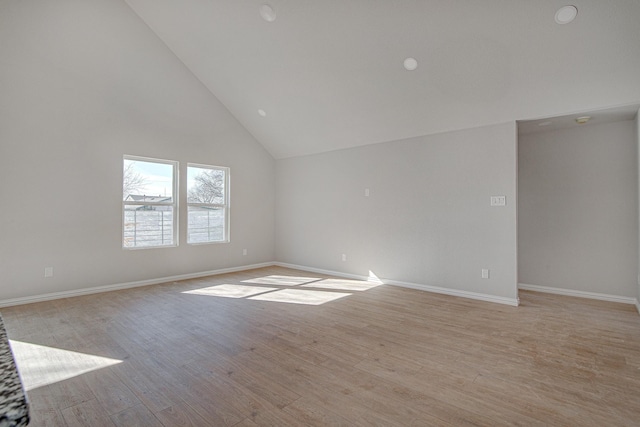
x: 547, y: 123
x: 267, y: 13
x: 582, y: 120
x: 262, y: 113
x: 410, y: 64
x: 566, y: 14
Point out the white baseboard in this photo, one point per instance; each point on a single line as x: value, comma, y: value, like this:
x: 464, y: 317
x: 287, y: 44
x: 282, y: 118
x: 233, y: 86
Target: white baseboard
x: 421, y: 287
x: 327, y: 272
x: 580, y: 294
x: 108, y: 288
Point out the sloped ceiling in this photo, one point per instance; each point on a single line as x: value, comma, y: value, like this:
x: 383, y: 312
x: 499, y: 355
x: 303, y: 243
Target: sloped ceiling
x: 329, y: 73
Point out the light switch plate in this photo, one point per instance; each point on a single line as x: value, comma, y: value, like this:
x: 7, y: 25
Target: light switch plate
x: 498, y: 200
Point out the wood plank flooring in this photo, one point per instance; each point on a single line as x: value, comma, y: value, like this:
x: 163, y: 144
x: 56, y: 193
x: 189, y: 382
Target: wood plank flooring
x: 279, y: 347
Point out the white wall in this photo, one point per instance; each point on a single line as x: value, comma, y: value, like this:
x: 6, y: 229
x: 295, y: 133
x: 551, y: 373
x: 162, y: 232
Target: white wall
x: 427, y: 220
x: 578, y: 209
x: 81, y: 84
x: 637, y: 121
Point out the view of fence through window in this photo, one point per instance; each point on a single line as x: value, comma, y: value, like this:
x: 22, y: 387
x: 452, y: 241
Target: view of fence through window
x: 147, y: 227
x: 148, y: 203
x: 205, y: 225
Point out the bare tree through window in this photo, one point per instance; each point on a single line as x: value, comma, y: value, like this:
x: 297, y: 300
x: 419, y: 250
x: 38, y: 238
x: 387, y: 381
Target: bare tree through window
x: 208, y: 187
x: 132, y: 180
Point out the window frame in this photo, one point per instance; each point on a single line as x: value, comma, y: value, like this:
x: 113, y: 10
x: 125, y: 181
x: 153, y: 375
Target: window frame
x: 173, y: 204
x: 225, y: 205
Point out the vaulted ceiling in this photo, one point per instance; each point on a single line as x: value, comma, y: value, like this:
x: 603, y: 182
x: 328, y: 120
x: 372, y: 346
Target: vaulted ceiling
x: 329, y: 74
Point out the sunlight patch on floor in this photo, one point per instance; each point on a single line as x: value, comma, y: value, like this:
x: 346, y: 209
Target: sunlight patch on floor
x: 40, y: 365
x: 342, y: 284
x: 291, y: 289
x: 281, y: 280
x: 230, y: 291
x: 300, y: 296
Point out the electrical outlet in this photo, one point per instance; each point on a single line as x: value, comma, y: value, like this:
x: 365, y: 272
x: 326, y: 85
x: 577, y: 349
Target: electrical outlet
x: 366, y: 192
x: 244, y: 252
x: 344, y: 257
x: 485, y: 273
x: 48, y: 272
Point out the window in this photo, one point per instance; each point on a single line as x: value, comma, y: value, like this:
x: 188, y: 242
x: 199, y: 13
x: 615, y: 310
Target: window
x: 149, y: 203
x: 207, y: 204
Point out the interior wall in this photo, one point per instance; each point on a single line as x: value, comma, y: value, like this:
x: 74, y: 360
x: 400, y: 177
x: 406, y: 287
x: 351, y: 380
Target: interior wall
x: 427, y: 219
x: 82, y: 83
x: 637, y: 122
x: 578, y: 209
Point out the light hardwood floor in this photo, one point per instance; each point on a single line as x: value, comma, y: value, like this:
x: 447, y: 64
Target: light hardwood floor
x: 181, y: 354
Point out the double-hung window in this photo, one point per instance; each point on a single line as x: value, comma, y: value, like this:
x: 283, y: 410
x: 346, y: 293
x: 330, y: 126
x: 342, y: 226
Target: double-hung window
x: 207, y: 204
x: 149, y: 203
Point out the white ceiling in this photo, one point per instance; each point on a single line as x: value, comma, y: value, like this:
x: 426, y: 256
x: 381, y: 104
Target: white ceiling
x: 609, y: 115
x: 329, y: 73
